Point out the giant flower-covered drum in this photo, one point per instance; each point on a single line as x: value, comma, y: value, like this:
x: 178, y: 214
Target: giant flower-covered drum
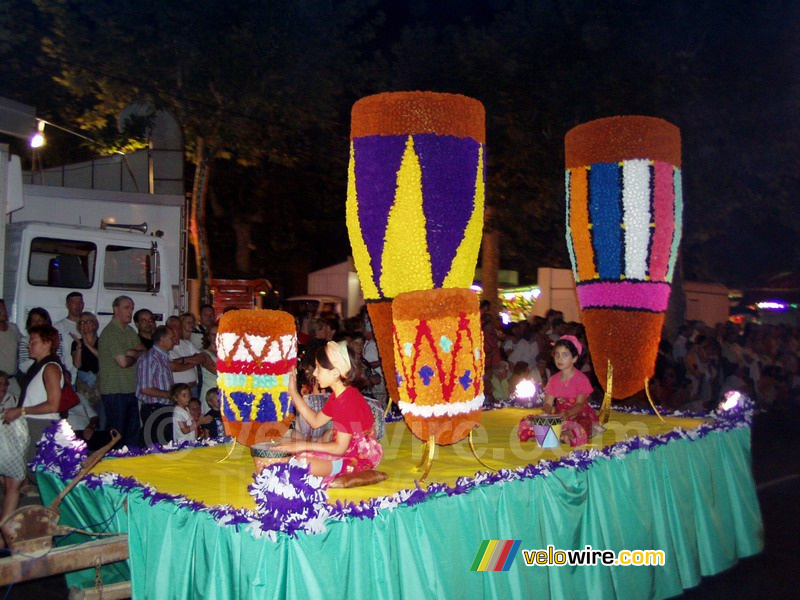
x: 624, y: 212
x: 256, y: 352
x: 438, y: 351
x: 415, y: 198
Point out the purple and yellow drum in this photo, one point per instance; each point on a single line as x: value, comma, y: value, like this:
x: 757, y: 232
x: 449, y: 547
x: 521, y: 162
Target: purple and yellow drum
x: 415, y: 199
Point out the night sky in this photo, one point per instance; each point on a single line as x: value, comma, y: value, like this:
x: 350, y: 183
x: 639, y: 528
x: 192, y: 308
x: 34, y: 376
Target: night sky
x: 726, y: 73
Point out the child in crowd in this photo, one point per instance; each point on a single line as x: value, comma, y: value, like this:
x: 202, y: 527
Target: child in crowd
x: 522, y: 370
x: 541, y: 367
x: 213, y: 428
x: 184, y: 427
x: 196, y: 411
x: 500, y: 382
x: 570, y: 390
x: 353, y: 446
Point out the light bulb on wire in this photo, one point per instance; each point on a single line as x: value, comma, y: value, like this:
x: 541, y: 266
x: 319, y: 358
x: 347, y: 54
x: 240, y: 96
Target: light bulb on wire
x: 38, y: 139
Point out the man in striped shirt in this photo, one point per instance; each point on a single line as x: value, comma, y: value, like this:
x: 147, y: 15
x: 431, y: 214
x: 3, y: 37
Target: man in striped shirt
x: 153, y: 381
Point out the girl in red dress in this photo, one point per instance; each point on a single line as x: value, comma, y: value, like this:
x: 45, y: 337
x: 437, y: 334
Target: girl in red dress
x: 570, y: 389
x: 353, y: 446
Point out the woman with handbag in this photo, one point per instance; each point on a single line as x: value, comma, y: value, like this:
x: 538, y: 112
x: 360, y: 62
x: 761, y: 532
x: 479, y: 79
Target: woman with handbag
x: 41, y: 390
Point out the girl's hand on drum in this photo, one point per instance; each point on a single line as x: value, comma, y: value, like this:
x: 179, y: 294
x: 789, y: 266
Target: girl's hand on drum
x: 293, y: 383
x: 287, y: 447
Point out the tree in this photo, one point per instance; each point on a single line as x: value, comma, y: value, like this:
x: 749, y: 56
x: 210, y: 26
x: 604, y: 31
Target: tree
x: 270, y: 84
x: 249, y: 81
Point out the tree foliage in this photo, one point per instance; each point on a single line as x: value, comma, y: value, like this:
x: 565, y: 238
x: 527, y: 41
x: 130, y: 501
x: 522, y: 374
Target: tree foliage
x: 267, y: 87
x: 252, y: 82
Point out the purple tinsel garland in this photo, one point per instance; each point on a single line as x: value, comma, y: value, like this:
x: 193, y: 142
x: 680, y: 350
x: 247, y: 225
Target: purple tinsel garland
x: 289, y: 499
x: 126, y: 452
x: 60, y: 451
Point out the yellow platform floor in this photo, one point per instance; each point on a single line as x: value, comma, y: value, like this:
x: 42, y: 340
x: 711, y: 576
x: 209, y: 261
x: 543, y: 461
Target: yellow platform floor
x: 197, y: 474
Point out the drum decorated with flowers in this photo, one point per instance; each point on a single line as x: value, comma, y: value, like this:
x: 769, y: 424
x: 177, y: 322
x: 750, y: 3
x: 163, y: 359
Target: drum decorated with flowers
x: 624, y: 215
x: 256, y: 352
x: 415, y: 198
x: 439, y: 356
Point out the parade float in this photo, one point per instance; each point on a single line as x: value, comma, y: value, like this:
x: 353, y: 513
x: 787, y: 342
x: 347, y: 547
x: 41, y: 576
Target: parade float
x: 200, y: 524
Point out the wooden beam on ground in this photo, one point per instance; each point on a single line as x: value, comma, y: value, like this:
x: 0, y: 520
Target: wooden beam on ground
x: 114, y: 591
x: 18, y: 568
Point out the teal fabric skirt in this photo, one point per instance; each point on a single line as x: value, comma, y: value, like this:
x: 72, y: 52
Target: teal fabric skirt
x: 695, y: 500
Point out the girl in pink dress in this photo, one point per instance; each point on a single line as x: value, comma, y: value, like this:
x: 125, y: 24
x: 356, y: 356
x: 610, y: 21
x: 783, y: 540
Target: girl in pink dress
x: 570, y: 389
x: 353, y: 446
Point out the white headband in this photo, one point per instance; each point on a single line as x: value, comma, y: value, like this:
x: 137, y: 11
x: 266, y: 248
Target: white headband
x: 337, y: 354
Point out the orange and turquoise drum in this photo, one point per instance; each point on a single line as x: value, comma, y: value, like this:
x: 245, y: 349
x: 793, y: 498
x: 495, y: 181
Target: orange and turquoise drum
x: 256, y: 352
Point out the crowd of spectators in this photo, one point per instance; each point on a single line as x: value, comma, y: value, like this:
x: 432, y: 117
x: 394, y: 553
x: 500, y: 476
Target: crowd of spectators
x: 130, y: 380
x: 696, y: 369
x: 693, y: 371
x: 357, y: 331
x: 135, y: 377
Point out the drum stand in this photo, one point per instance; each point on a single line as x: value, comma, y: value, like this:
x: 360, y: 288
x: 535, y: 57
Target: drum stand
x: 230, y: 451
x: 605, y: 407
x: 429, y: 448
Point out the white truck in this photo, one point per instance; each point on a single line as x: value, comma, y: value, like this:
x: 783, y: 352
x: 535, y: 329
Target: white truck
x: 44, y: 262
x: 94, y: 242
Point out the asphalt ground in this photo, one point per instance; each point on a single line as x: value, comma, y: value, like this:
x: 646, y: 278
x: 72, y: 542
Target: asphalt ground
x: 776, y: 570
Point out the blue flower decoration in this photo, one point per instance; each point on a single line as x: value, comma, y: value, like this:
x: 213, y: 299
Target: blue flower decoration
x: 465, y: 380
x: 426, y: 373
x: 266, y: 409
x: 446, y: 344
x: 243, y: 402
x: 398, y: 378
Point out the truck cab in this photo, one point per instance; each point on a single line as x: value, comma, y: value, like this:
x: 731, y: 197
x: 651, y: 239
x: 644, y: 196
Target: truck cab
x: 44, y: 262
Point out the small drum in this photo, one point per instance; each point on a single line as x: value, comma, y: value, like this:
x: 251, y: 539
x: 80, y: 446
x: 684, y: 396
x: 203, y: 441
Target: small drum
x: 264, y: 456
x: 546, y: 429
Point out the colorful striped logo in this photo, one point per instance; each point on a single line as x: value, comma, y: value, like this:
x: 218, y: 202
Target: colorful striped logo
x: 495, y: 555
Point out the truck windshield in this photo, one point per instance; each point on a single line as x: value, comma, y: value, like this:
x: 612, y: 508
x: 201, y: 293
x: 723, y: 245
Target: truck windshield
x: 131, y: 269
x: 62, y: 263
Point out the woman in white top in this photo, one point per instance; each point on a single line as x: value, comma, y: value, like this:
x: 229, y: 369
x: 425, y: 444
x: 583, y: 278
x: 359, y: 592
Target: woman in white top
x: 36, y: 316
x: 41, y: 390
